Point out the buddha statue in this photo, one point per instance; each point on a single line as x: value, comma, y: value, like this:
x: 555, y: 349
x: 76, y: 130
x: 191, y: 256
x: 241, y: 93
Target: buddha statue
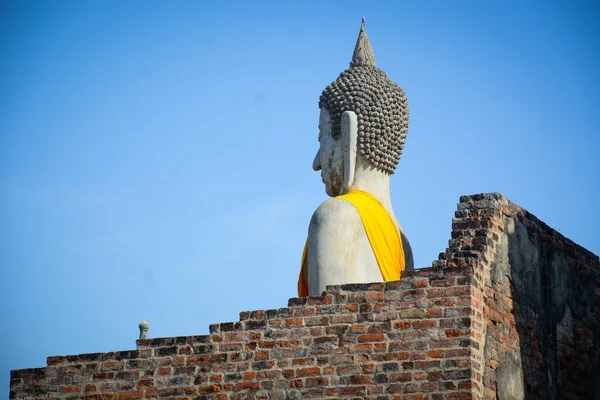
x: 354, y: 237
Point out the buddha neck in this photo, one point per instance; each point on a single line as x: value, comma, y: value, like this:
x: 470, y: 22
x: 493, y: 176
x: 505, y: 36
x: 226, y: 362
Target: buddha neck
x: 372, y: 181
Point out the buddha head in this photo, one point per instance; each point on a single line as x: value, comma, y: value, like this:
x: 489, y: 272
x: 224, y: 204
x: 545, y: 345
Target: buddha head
x: 364, y: 114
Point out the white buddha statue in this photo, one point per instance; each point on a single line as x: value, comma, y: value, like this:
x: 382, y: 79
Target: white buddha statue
x: 354, y: 237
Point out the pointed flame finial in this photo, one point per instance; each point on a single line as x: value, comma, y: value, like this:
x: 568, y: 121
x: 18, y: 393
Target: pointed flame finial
x: 363, y: 52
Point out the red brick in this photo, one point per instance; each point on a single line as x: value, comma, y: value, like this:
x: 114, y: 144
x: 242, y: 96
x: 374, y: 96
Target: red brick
x: 111, y: 366
x: 234, y: 336
x: 103, y: 375
x: 402, y: 325
x: 420, y: 376
x: 231, y: 347
x: 421, y: 283
x: 455, y: 333
x: 374, y: 296
x: 360, y: 379
x: 458, y: 291
x: 436, y: 344
x: 249, y: 375
x: 371, y: 338
x: 294, y: 322
x: 427, y: 364
x: 288, y: 343
x: 368, y: 368
x: 418, y: 355
x: 401, y: 377
x: 396, y: 388
x: 55, y: 360
x: 267, y: 344
x: 198, y: 360
x: 435, y: 312
x: 70, y: 389
x: 248, y: 385
x: 317, y: 382
x: 380, y: 347
x: 424, y: 323
x: 303, y: 361
x: 436, y: 353
x: 436, y: 292
x: 288, y: 373
x: 131, y: 395
x: 453, y: 353
x: 444, y: 302
x: 465, y: 385
x: 254, y: 335
x: 352, y: 308
x: 272, y: 374
x: 189, y: 390
x: 209, y: 389
x: 348, y: 390
x: 429, y: 386
x: 435, y: 375
x: 311, y: 371
x: 144, y: 383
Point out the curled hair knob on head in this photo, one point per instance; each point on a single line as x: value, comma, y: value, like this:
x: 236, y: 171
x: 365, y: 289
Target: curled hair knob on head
x: 378, y: 102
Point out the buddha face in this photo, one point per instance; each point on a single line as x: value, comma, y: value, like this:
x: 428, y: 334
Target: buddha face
x: 329, y: 159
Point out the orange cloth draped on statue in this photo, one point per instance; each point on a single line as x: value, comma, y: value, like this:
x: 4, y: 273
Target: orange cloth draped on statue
x: 382, y: 234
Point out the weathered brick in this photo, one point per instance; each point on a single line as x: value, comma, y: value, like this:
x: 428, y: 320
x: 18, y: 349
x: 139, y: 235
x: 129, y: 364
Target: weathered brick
x: 103, y: 375
x: 412, y: 313
x: 310, y: 371
x: 317, y: 382
x: 131, y: 395
x: 248, y: 386
x: 294, y: 322
x: 352, y: 390
x: 424, y: 323
x: 209, y: 389
x: 374, y: 296
x: 375, y: 337
x: 71, y: 389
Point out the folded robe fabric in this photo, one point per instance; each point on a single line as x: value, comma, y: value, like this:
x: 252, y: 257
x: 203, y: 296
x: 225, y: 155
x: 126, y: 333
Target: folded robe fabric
x: 382, y: 234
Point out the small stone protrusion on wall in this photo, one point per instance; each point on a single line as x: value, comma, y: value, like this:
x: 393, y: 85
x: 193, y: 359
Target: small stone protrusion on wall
x: 144, y: 326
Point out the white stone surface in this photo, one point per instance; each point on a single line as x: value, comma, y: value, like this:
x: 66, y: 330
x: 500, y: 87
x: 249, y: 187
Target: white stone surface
x: 338, y: 248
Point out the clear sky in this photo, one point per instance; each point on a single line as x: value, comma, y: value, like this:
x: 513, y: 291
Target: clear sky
x: 155, y: 157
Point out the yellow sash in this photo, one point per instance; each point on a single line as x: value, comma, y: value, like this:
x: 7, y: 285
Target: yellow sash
x: 381, y: 232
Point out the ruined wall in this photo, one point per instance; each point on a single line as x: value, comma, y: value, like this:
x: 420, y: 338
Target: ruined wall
x: 510, y: 310
x: 406, y: 337
x: 541, y: 303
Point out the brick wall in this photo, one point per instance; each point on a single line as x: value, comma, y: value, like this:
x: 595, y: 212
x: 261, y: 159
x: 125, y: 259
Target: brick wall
x: 541, y: 303
x: 495, y: 316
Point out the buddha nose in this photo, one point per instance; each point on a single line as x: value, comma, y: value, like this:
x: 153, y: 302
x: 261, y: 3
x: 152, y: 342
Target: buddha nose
x: 317, y: 161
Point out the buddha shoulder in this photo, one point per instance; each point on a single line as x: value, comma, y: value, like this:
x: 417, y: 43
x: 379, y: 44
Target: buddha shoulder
x: 335, y: 215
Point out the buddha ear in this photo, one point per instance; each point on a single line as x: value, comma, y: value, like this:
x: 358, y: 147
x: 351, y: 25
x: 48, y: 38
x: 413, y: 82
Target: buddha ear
x: 349, y: 138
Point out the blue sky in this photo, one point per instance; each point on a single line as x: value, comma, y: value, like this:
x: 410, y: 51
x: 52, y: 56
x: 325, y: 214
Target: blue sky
x: 155, y: 157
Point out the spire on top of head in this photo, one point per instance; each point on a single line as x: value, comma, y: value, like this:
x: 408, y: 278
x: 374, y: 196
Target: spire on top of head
x: 363, y: 52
